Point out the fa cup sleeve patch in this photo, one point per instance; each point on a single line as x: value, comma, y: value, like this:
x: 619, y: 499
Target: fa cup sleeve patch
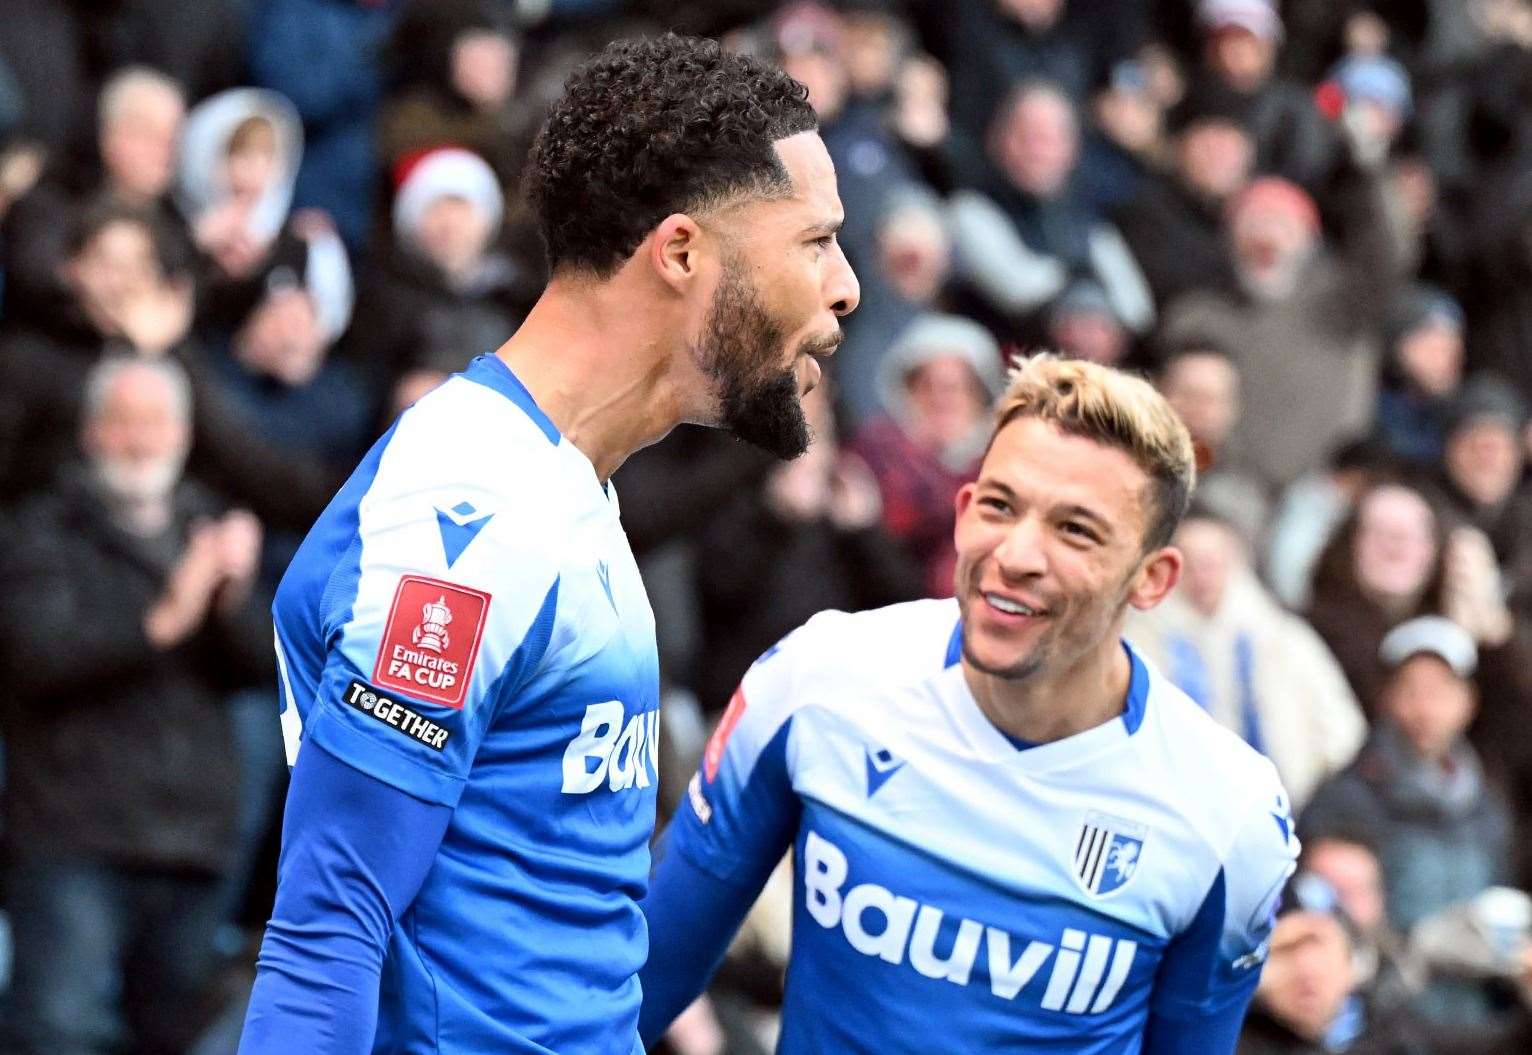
x: 713, y: 756
x: 431, y: 640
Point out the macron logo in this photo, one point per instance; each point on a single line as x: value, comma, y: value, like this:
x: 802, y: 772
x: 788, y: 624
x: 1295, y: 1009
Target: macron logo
x: 880, y: 766
x: 1087, y: 973
x: 459, y: 526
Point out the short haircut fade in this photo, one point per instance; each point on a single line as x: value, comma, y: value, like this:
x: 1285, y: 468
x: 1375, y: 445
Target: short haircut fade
x: 652, y: 127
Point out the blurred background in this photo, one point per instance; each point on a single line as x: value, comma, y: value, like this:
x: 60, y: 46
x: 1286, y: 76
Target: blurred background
x: 237, y: 237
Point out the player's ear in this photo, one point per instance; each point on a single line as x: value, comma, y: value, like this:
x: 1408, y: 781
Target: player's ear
x: 675, y: 251
x: 1157, y: 575
x: 964, y: 497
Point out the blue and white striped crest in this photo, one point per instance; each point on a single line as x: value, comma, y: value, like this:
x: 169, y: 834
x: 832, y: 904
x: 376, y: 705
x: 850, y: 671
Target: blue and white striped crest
x: 1107, y: 852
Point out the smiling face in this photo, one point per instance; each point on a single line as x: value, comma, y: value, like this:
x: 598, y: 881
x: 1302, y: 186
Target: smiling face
x: 1050, y: 543
x: 783, y: 285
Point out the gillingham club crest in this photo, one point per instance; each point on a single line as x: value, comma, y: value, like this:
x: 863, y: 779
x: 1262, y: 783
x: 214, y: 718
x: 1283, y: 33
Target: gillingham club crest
x: 1107, y: 852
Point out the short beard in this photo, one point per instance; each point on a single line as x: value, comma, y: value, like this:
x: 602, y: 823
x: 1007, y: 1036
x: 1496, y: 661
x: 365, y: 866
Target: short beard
x: 741, y: 343
x: 1017, y: 672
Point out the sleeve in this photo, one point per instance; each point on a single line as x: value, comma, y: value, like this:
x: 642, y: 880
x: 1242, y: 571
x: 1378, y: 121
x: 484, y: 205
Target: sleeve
x: 354, y: 853
x: 738, y: 818
x: 1210, y: 969
x: 992, y: 256
x: 1124, y: 281
x: 436, y: 619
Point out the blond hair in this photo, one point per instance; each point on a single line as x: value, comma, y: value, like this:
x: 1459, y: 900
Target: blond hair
x: 1112, y: 408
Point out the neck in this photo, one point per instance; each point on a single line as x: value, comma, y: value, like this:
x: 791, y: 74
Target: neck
x: 606, y: 373
x: 1049, y: 705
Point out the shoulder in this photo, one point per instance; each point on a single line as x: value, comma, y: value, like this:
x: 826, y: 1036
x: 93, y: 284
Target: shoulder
x: 836, y: 649
x: 833, y: 661
x: 1226, y: 789
x: 466, y: 490
x: 467, y: 454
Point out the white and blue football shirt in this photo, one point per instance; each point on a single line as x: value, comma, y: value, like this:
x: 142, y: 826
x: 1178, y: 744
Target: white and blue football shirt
x: 1072, y: 896
x: 466, y: 624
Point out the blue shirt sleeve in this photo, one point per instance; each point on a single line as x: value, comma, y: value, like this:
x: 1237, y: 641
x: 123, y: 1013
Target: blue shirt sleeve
x: 1210, y: 969
x: 739, y: 816
x: 1199, y: 1003
x: 430, y: 627
x: 355, y: 852
x: 692, y: 916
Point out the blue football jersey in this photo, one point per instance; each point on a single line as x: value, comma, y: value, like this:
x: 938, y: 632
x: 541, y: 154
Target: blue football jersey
x: 950, y: 885
x: 466, y: 623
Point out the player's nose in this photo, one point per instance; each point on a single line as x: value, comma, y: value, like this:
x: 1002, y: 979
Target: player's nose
x: 1021, y: 554
x: 842, y: 290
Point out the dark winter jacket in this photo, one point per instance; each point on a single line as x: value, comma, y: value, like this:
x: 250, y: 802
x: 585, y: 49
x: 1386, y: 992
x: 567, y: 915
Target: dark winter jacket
x: 114, y: 750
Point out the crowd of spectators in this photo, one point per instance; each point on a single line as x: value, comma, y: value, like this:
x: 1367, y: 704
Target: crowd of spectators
x: 237, y: 237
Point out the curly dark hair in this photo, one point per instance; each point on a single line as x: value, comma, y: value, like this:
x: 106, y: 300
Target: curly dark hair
x: 652, y: 127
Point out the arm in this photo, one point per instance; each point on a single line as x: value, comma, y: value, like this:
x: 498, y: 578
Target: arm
x: 230, y: 454
x: 1120, y: 275
x: 695, y: 915
x: 739, y: 817
x: 354, y: 853
x: 994, y: 259
x: 367, y: 813
x: 1210, y: 969
x: 1210, y: 1026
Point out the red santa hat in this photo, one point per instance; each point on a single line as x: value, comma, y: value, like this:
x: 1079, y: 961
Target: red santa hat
x: 443, y: 172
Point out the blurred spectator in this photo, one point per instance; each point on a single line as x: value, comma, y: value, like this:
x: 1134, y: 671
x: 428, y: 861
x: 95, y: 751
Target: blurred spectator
x: 809, y: 539
x: 993, y: 44
x: 938, y: 383
x: 874, y: 45
x: 1372, y: 90
x: 277, y: 370
x: 1422, y: 370
x: 1125, y: 143
x: 906, y: 278
x: 1393, y: 560
x: 1481, y: 478
x: 1310, y: 511
x: 441, y: 293
x: 1383, y: 567
x: 456, y: 66
x: 1305, y: 325
x: 1387, y: 972
x: 119, y: 798
x: 1174, y: 226
x: 61, y: 53
x: 1304, y: 1003
x: 1239, y: 55
x: 1443, y: 831
x: 1224, y: 641
x: 126, y: 295
x: 325, y: 56
x: 139, y: 116
x: 1307, y: 1001
x: 1200, y: 382
x: 239, y: 160
x: 122, y: 290
x: 1082, y: 324
x: 1022, y: 236
x: 872, y: 166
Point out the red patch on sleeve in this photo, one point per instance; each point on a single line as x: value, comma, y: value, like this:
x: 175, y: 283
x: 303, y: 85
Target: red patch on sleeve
x: 431, y: 640
x: 720, y: 738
